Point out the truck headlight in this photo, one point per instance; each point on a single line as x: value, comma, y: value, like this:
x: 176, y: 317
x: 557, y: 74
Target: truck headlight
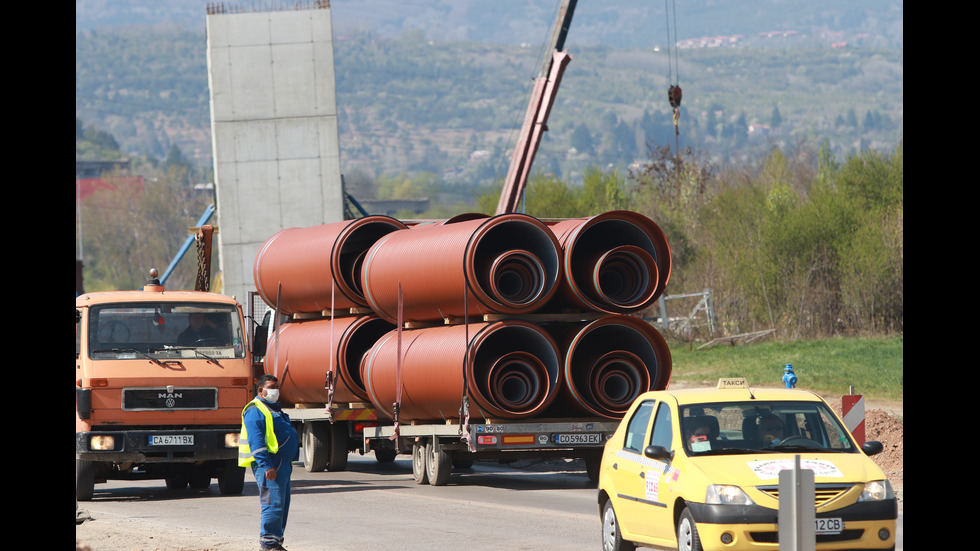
x: 102, y: 442
x: 231, y: 440
x: 877, y: 490
x: 724, y: 494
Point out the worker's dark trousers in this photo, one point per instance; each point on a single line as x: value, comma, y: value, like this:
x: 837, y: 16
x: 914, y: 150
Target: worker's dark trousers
x: 274, y: 499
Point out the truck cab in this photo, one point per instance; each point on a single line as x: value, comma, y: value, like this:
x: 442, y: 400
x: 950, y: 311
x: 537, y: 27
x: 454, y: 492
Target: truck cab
x: 161, y: 378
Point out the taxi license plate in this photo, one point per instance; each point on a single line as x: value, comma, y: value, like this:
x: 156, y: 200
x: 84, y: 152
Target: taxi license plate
x: 579, y: 438
x: 830, y: 525
x: 171, y: 439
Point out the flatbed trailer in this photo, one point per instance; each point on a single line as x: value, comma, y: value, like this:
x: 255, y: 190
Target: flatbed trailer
x: 437, y: 447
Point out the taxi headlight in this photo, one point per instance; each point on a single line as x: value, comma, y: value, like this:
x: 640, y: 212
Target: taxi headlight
x: 724, y: 494
x: 877, y: 490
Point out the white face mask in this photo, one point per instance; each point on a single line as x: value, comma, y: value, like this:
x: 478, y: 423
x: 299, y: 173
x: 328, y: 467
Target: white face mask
x: 271, y: 395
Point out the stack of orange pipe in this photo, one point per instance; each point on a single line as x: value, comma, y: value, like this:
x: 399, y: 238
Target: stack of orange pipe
x: 440, y: 279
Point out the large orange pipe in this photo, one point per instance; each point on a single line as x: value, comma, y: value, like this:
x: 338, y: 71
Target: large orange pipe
x: 607, y: 363
x: 512, y: 371
x: 618, y: 262
x: 314, y: 263
x: 504, y: 264
x: 304, y: 351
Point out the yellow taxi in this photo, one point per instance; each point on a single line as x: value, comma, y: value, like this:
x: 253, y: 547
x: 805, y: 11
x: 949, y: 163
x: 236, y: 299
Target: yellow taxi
x: 698, y: 469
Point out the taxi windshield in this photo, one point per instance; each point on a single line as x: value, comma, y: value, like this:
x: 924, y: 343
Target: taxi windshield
x: 165, y: 330
x: 762, y: 427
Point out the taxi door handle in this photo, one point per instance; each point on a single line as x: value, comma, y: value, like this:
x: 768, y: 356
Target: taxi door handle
x: 643, y: 474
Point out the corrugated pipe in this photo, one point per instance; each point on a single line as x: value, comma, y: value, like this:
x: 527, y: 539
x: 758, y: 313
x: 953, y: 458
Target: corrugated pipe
x: 512, y: 371
x: 307, y: 350
x: 506, y: 264
x: 314, y: 263
x: 607, y: 363
x: 617, y: 262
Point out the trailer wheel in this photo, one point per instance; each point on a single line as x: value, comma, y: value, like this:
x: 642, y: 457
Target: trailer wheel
x: 418, y: 464
x: 592, y: 465
x: 84, y: 480
x: 339, y: 444
x: 385, y: 455
x: 231, y: 479
x: 438, y: 464
x: 315, y: 441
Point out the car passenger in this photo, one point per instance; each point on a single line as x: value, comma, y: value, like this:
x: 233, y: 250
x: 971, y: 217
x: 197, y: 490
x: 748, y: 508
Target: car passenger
x: 771, y: 429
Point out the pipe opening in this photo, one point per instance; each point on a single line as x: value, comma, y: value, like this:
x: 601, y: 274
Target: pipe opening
x: 518, y: 381
x: 517, y: 278
x: 618, y: 379
x: 359, y: 344
x: 625, y: 277
x: 515, y: 370
x: 354, y: 248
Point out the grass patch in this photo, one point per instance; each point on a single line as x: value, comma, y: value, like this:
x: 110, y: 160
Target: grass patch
x: 874, y: 366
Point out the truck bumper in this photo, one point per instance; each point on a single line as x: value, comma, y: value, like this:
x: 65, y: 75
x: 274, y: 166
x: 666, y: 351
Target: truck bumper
x: 138, y: 446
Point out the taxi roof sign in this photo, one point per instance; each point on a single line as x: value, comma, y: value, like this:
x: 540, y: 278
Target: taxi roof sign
x: 732, y: 382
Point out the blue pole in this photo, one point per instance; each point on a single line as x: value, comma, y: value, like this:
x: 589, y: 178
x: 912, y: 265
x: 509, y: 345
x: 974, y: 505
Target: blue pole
x: 187, y: 244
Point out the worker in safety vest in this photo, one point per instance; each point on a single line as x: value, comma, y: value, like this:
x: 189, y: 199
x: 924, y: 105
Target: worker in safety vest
x: 268, y: 444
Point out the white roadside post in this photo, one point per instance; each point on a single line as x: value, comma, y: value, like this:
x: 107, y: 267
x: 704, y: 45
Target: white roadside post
x: 797, y: 509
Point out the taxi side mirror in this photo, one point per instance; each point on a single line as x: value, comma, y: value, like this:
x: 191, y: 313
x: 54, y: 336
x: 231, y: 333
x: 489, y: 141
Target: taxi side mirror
x: 658, y: 452
x: 872, y: 447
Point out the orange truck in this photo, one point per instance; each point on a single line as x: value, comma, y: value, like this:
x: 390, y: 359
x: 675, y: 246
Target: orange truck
x: 161, y: 378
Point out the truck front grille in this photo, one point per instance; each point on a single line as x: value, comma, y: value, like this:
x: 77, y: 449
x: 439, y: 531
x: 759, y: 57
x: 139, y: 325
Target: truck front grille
x: 169, y: 399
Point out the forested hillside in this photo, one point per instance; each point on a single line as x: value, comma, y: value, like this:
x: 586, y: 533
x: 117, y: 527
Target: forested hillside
x: 454, y: 109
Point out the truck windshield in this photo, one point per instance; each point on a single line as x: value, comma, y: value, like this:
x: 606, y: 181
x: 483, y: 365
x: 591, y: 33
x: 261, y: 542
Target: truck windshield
x: 762, y: 427
x: 165, y: 330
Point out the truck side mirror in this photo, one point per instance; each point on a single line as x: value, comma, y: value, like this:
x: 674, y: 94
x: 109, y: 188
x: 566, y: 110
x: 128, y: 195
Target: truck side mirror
x: 259, y: 340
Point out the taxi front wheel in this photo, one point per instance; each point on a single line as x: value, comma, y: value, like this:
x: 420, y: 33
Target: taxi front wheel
x: 612, y: 539
x: 687, y: 533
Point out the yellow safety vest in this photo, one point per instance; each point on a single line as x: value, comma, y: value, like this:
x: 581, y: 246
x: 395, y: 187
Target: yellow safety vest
x: 246, y: 456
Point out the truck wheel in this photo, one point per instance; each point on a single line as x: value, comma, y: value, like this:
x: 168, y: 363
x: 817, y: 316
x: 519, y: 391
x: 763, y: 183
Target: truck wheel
x: 339, y: 443
x: 84, y: 480
x: 231, y: 479
x: 316, y: 438
x: 438, y: 465
x: 178, y: 482
x: 200, y: 478
x: 418, y: 464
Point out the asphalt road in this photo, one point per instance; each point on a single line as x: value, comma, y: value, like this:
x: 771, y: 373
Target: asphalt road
x: 369, y: 507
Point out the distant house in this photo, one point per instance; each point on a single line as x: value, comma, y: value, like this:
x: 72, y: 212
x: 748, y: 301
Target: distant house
x: 89, y: 176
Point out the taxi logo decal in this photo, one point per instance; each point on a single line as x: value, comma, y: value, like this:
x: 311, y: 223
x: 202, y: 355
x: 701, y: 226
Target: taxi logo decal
x: 769, y: 470
x: 652, y: 485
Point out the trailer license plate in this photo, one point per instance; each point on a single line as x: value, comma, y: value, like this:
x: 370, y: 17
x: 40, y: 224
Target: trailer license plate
x: 830, y: 525
x: 579, y: 438
x: 171, y: 439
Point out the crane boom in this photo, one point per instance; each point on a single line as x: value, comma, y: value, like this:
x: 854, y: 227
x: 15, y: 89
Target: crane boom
x: 536, y: 118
